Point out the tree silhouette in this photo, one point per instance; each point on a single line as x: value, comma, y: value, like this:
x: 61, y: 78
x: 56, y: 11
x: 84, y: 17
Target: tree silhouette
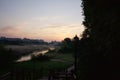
x: 6, y: 57
x: 99, y: 47
x: 66, y: 46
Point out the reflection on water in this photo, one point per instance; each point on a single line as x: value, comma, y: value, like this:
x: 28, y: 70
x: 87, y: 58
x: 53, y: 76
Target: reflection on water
x: 28, y: 57
x: 24, y: 58
x: 40, y: 52
x: 36, y: 53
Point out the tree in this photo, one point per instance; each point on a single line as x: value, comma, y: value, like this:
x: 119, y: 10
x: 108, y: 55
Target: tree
x: 102, y: 40
x: 66, y: 46
x: 6, y: 57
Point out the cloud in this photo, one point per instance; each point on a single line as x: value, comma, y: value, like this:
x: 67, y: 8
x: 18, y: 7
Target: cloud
x: 48, y: 18
x: 48, y: 32
x: 11, y: 31
x: 59, y: 32
x: 5, y: 30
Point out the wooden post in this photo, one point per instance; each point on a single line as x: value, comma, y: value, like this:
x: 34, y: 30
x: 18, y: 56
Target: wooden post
x: 76, y: 46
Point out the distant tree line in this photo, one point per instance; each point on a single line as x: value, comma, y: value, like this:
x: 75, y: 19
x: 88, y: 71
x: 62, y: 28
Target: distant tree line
x: 19, y: 41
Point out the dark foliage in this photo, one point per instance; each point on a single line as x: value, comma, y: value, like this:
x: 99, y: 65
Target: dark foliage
x: 7, y: 57
x: 41, y: 57
x: 51, y: 51
x: 66, y: 46
x: 99, y: 47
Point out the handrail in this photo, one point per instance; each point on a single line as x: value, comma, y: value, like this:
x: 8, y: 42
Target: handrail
x: 5, y: 76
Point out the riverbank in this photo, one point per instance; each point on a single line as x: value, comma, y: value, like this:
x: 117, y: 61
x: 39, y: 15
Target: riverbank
x: 21, y: 50
x: 58, y: 62
x: 30, y: 55
x: 16, y: 52
x: 37, y: 67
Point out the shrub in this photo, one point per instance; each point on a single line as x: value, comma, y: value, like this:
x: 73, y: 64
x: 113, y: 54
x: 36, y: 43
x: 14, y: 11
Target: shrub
x: 40, y: 57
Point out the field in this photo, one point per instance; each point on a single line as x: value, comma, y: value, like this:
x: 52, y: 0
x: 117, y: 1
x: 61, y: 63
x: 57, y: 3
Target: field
x: 58, y: 62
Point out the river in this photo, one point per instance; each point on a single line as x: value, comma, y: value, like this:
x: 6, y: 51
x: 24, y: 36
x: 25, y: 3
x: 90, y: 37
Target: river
x: 29, y: 57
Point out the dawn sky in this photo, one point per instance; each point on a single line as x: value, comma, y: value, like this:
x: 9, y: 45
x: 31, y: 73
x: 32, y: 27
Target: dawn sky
x: 41, y: 19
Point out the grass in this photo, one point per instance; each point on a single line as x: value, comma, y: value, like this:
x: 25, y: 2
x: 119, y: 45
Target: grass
x: 48, y: 65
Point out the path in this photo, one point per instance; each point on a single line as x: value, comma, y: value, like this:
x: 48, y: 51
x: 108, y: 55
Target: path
x: 61, y: 75
x: 70, y: 68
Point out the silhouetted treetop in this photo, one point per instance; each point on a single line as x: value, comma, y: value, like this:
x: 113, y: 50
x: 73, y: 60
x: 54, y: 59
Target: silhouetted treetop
x: 100, y: 43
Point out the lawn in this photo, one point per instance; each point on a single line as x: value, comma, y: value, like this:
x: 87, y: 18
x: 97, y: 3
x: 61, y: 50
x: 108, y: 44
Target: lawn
x: 58, y: 62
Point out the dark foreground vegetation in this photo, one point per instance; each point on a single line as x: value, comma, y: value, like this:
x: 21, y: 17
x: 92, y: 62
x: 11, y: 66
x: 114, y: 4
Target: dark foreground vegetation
x: 39, y: 66
x: 6, y: 59
x: 99, y: 48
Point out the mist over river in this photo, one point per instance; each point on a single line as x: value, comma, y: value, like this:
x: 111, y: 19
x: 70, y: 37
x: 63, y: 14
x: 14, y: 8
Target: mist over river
x: 29, y: 57
x: 26, y: 51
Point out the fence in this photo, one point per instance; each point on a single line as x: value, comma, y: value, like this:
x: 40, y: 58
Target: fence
x: 35, y: 74
x: 61, y: 75
x: 22, y: 74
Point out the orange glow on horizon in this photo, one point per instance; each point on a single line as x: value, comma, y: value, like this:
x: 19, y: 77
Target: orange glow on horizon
x: 49, y: 33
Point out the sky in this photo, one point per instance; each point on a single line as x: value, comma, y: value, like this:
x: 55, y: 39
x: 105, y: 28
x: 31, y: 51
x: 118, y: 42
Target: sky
x: 41, y: 19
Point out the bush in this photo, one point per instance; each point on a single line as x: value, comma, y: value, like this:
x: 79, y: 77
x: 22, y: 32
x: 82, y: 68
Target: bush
x: 40, y: 57
x: 6, y: 57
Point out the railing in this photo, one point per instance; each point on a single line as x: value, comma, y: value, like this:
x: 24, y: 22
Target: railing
x: 6, y: 76
x: 22, y: 74
x: 28, y: 74
x: 61, y: 75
